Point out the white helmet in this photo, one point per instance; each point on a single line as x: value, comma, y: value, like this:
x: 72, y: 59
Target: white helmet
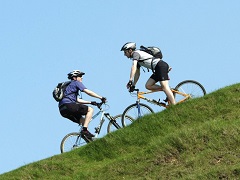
x: 75, y: 73
x: 129, y: 45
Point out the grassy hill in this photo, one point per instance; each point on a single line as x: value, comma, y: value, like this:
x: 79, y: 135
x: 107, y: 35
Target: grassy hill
x: 199, y: 139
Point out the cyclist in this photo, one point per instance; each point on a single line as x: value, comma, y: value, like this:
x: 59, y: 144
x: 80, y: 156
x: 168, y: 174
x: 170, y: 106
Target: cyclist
x: 73, y: 108
x: 158, y: 66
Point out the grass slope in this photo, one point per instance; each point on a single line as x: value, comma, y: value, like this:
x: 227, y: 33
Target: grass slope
x: 199, y: 139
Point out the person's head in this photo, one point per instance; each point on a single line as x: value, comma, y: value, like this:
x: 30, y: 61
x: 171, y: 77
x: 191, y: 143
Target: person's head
x: 128, y: 49
x: 75, y: 75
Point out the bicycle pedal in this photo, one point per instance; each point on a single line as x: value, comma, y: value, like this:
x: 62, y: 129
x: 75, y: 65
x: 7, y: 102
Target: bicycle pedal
x: 155, y: 101
x: 96, y: 130
x: 87, y: 139
x: 165, y: 100
x: 162, y: 103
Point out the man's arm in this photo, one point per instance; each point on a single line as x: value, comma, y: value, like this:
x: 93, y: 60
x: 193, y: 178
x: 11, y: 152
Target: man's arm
x: 133, y: 70
x: 91, y: 93
x: 134, y: 74
x: 136, y: 77
x: 83, y: 101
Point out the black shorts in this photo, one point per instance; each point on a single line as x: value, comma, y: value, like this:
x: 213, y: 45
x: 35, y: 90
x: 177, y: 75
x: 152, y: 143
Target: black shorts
x: 161, y: 71
x: 73, y: 111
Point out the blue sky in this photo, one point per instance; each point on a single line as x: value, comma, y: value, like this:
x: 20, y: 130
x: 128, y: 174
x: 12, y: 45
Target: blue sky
x: 42, y: 41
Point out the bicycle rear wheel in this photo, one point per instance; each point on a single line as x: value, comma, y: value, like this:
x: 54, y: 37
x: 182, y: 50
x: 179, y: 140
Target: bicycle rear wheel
x: 190, y: 87
x: 72, y: 141
x: 134, y: 111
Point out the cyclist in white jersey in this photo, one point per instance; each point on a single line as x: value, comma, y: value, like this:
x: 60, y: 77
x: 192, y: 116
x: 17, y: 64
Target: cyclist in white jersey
x: 159, y: 67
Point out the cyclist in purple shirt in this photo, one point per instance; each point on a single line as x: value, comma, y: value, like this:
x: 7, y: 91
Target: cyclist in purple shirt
x: 74, y: 108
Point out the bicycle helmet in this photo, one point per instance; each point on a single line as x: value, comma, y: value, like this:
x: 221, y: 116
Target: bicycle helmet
x: 75, y: 73
x: 129, y: 45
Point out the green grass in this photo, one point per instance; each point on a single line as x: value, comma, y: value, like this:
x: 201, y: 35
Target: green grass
x: 199, y: 139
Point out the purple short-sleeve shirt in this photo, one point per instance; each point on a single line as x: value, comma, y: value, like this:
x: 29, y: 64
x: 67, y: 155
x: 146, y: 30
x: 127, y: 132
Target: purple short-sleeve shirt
x: 71, y: 92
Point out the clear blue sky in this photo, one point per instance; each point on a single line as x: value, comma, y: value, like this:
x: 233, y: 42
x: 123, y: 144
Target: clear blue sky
x: 41, y: 41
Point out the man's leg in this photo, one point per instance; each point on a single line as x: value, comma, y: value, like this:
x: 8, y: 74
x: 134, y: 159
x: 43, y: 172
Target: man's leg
x: 88, y: 117
x: 168, y: 92
x: 151, y: 85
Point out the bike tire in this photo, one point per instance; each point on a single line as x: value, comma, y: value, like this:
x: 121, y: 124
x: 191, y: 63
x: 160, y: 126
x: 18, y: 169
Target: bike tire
x: 72, y: 141
x: 118, y: 118
x: 111, y: 127
x: 191, y: 87
x: 131, y: 112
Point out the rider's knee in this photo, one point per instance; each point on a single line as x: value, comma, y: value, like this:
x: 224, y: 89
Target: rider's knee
x: 90, y: 109
x: 148, y: 86
x: 164, y: 84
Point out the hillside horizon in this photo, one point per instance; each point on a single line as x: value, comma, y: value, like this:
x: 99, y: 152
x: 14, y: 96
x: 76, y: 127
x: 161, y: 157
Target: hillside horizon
x: 198, y: 139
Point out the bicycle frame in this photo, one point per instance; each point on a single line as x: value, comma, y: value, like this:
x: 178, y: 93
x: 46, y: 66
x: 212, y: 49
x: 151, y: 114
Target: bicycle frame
x: 140, y: 95
x: 76, y: 139
x: 102, y: 119
x: 184, y: 90
x: 97, y: 129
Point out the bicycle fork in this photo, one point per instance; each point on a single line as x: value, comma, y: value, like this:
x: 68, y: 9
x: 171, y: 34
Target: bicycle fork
x: 138, y: 108
x: 113, y: 121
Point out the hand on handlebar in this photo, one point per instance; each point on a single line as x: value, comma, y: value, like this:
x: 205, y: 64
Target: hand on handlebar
x: 131, y: 89
x: 104, y: 100
x: 94, y: 103
x: 129, y: 84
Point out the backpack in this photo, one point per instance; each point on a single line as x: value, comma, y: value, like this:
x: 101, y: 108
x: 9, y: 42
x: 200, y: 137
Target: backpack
x: 58, y: 92
x: 154, y: 51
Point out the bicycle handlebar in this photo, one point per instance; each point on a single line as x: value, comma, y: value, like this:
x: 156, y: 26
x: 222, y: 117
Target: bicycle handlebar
x: 134, y: 90
x: 99, y: 105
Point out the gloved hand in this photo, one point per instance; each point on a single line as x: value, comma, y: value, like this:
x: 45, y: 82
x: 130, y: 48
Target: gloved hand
x: 131, y: 89
x: 129, y: 84
x: 104, y: 100
x: 94, y: 103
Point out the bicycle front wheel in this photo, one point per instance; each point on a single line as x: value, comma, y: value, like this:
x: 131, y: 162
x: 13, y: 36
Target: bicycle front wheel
x: 135, y: 111
x: 190, y: 87
x: 72, y: 141
x: 111, y: 127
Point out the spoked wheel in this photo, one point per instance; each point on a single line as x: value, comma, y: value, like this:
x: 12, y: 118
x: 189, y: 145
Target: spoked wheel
x: 190, y: 87
x: 118, y: 120
x: 111, y: 127
x: 135, y: 111
x: 72, y: 141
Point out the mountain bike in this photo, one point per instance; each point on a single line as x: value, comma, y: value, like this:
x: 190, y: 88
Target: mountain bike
x: 76, y: 139
x: 184, y: 91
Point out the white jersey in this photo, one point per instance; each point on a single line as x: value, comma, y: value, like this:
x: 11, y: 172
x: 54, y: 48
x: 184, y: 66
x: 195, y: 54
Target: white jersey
x: 145, y: 59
